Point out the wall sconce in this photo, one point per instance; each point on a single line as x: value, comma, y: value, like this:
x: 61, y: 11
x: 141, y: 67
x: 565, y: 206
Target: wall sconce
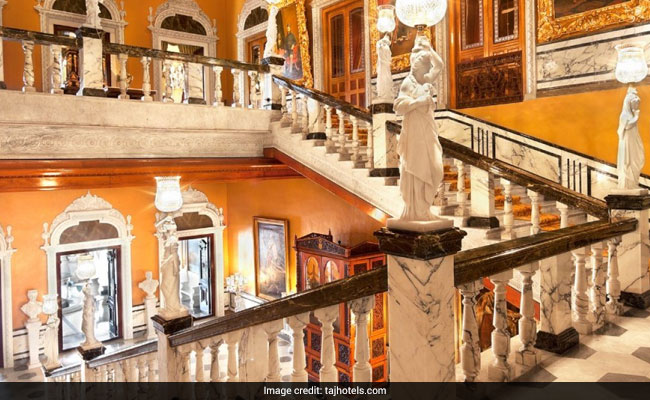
x: 168, y: 194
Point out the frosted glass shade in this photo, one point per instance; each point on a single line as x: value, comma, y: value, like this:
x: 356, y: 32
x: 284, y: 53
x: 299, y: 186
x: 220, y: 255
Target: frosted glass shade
x: 631, y: 66
x: 273, y: 2
x: 420, y: 12
x: 168, y: 194
x: 386, y: 18
x: 86, y: 267
x: 50, y: 306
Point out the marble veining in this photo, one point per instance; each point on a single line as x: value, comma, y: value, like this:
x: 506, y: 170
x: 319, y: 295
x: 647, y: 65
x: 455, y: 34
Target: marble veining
x: 90, y: 58
x: 555, y: 293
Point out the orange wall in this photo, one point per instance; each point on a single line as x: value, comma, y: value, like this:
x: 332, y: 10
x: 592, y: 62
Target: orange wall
x: 307, y: 206
x: 584, y: 122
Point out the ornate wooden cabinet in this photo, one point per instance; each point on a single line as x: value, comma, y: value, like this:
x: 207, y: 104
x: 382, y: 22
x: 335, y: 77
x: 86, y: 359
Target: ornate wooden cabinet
x: 320, y: 261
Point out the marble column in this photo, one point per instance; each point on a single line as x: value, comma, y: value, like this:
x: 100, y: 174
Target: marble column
x: 508, y: 217
x: 500, y: 370
x: 297, y: 323
x: 361, y: 308
x: 527, y: 355
x: 91, y: 65
x: 386, y: 160
x: 327, y: 316
x: 169, y: 358
x: 55, y: 69
x: 123, y: 77
x: 482, y: 211
x: 195, y: 83
x: 271, y: 94
x: 634, y: 250
x: 470, y: 350
x: 461, y: 196
x: 534, y: 212
x: 272, y: 330
x: 28, y: 68
x: 421, y: 297
x: 218, y: 92
x: 581, y: 301
x: 597, y: 291
x: 614, y: 306
x: 146, y: 79
x: 33, y: 310
x: 236, y: 88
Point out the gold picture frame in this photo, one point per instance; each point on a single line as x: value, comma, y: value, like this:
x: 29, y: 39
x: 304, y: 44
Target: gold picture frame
x: 307, y: 78
x: 271, y: 242
x: 400, y: 62
x: 550, y: 28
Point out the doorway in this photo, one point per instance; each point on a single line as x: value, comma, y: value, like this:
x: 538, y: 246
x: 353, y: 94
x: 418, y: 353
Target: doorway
x: 343, y: 38
x: 177, y: 72
x: 196, y: 275
x: 105, y: 285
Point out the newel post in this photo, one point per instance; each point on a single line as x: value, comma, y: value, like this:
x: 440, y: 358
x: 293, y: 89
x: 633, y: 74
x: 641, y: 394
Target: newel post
x: 421, y: 297
x: 386, y: 160
x: 90, y: 38
x: 271, y: 93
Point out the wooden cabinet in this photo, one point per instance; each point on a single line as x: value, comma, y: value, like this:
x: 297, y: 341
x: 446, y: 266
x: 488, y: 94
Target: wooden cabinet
x: 320, y: 261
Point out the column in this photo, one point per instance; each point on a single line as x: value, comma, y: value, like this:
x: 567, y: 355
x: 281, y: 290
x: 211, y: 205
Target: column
x: 28, y: 69
x: 461, y: 196
x: 470, y: 350
x: 271, y: 93
x: 633, y: 252
x: 236, y: 83
x: 195, y: 83
x: 215, y: 373
x: 146, y: 79
x: 527, y: 355
x: 167, y: 75
x: 421, y: 302
x: 361, y: 308
x: 342, y: 137
x: 534, y: 213
x: 297, y: 323
x: 597, y: 292
x: 272, y: 330
x: 253, y: 96
x: 199, y: 372
x: 123, y: 77
x: 55, y: 69
x: 91, y: 64
x: 355, y: 139
x: 232, y: 339
x: 327, y: 316
x: 482, y: 213
x: 500, y: 370
x: 581, y: 301
x: 329, y: 130
x: 386, y: 160
x: 614, y: 306
x: 508, y: 217
x: 218, y: 92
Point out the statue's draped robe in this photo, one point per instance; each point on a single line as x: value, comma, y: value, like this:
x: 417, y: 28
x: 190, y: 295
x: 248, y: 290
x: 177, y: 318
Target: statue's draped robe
x: 171, y: 278
x: 421, y: 169
x: 384, y: 73
x: 631, y: 157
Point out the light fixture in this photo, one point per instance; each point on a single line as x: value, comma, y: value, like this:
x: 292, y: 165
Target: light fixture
x: 86, y: 267
x: 420, y: 14
x: 50, y: 306
x: 168, y: 193
x: 386, y: 18
x: 631, y: 66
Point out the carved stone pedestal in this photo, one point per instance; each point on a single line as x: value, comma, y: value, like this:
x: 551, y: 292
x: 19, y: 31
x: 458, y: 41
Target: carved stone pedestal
x: 421, y: 296
x: 33, y: 330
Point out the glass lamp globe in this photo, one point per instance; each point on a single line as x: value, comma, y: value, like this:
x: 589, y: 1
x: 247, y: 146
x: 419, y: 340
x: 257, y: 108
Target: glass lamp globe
x: 273, y: 2
x: 168, y: 194
x: 631, y: 66
x: 420, y: 13
x: 86, y: 267
x: 386, y: 18
x: 50, y: 305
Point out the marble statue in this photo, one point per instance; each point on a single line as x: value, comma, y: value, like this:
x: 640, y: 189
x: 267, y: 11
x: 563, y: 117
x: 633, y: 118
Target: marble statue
x: 384, y: 73
x: 631, y: 156
x: 88, y: 318
x: 32, y: 308
x: 92, y: 14
x: 149, y: 285
x: 51, y: 342
x: 271, y: 34
x: 421, y: 168
x: 170, y: 272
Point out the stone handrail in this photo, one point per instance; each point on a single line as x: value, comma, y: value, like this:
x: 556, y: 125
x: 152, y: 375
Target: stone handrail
x: 36, y: 37
x: 63, y: 373
x: 137, y: 350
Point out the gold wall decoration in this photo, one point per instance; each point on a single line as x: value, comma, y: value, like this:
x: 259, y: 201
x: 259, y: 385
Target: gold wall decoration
x: 550, y: 28
x: 295, y: 51
x: 401, y: 53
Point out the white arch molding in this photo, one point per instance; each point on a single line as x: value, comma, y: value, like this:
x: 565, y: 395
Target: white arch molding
x: 208, y: 42
x: 6, y: 252
x: 195, y: 201
x: 93, y: 208
x: 49, y: 18
x: 243, y: 35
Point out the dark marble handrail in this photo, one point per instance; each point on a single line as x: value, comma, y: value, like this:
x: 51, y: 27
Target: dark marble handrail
x: 134, y: 51
x: 472, y: 265
x: 341, y: 291
x: 521, y: 177
x: 324, y: 98
x: 62, y: 371
x: 137, y: 350
x: 19, y: 35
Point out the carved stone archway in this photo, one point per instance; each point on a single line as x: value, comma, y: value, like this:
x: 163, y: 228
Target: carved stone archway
x: 89, y: 208
x: 6, y: 252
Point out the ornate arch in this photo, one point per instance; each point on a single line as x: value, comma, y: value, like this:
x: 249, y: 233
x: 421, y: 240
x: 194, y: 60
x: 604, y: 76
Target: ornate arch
x: 6, y: 252
x: 242, y: 32
x: 195, y: 201
x: 90, y: 208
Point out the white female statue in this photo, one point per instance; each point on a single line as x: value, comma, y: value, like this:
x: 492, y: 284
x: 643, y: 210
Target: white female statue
x: 631, y: 156
x: 92, y: 14
x: 88, y: 318
x: 170, y: 271
x: 272, y: 34
x: 384, y: 73
x: 421, y: 169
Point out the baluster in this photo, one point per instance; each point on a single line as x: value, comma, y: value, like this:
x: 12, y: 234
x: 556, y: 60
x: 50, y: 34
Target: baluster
x: 232, y: 339
x: 329, y: 131
x: 461, y: 196
x: 295, y: 122
x: 152, y: 366
x: 286, y: 116
x: 297, y: 323
x: 184, y: 353
x: 55, y: 69
x: 28, y: 71
x: 272, y: 330
x: 305, y: 116
x: 146, y: 79
x: 355, y: 138
x: 141, y: 364
x: 598, y: 290
x: 343, y: 151
x: 534, y: 215
x: 123, y: 77
x: 500, y: 369
x: 167, y: 74
x: 614, y: 306
x: 235, y: 87
x: 199, y: 375
x: 527, y: 355
x: 362, y: 371
x: 508, y: 217
x: 132, y: 370
x: 215, y: 372
x: 470, y: 351
x: 218, y: 92
x: 581, y: 301
x: 327, y: 316
x: 370, y: 149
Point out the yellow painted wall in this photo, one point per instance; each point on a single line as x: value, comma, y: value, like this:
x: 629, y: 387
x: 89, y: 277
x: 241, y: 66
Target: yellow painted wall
x: 307, y: 206
x: 584, y: 122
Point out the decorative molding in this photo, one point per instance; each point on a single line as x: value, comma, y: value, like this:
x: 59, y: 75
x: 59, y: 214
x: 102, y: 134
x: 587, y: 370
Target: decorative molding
x: 530, y: 89
x: 243, y: 35
x: 6, y: 252
x: 92, y: 208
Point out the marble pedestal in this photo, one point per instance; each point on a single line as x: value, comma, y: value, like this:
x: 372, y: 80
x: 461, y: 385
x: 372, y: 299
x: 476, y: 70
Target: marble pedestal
x: 482, y: 210
x: 421, y: 297
x: 33, y: 330
x: 634, y: 250
x: 88, y: 354
x: 271, y: 93
x: 556, y: 333
x: 195, y: 84
x: 385, y: 158
x: 150, y: 311
x: 169, y: 360
x: 91, y: 64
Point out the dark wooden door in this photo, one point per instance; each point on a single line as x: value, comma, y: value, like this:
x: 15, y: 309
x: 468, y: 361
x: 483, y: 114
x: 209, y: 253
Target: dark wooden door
x: 112, y: 301
x: 343, y: 38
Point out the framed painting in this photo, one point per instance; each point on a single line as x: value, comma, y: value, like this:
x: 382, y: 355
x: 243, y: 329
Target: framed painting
x: 271, y: 238
x: 402, y: 41
x: 557, y: 19
x: 293, y: 41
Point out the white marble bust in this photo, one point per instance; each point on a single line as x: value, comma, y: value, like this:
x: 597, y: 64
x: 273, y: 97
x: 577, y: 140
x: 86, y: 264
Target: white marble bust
x: 32, y: 308
x: 149, y: 285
